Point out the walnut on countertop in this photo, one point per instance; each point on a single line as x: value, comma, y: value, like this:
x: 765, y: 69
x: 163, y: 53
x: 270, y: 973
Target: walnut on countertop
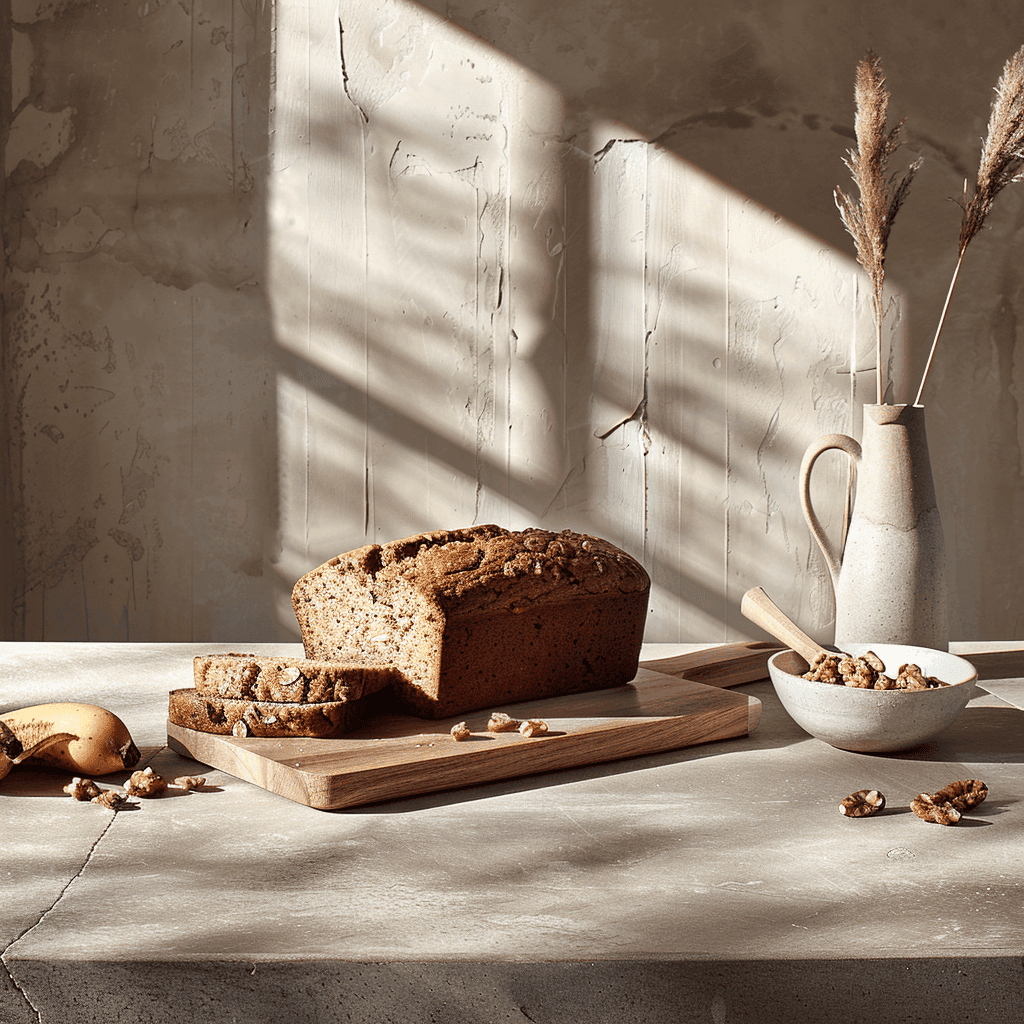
x: 862, y: 804
x: 963, y: 795
x: 934, y: 808
x: 82, y: 789
x: 190, y: 782
x: 113, y: 800
x: 146, y: 784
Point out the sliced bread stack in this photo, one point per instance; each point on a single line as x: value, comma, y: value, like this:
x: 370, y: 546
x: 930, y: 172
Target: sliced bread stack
x: 254, y: 695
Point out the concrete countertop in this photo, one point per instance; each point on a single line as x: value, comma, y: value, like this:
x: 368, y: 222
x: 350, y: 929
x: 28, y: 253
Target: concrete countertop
x: 717, y: 883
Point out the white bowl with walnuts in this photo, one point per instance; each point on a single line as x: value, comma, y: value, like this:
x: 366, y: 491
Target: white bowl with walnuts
x: 883, y: 698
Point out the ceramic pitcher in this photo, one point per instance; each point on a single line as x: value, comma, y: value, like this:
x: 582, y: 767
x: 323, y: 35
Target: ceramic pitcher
x: 890, y: 577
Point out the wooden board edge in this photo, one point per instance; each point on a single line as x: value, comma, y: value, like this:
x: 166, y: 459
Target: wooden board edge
x: 723, y: 666
x: 556, y: 753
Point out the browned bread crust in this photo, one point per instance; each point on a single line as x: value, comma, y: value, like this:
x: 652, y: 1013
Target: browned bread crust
x: 286, y: 680
x: 482, y: 616
x: 226, y: 716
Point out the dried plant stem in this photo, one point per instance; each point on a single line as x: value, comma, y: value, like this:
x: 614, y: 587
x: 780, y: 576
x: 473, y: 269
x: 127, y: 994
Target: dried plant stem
x: 878, y: 349
x: 869, y: 219
x: 1002, y: 163
x: 938, y: 330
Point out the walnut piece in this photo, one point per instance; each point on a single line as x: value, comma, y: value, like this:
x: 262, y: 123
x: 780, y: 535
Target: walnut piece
x: 82, y: 789
x: 112, y: 799
x: 533, y: 727
x: 500, y: 722
x: 963, y: 795
x: 145, y: 784
x: 866, y: 672
x: 460, y: 732
x: 934, y: 808
x: 824, y: 669
x: 862, y: 804
x: 190, y: 782
x: 873, y: 661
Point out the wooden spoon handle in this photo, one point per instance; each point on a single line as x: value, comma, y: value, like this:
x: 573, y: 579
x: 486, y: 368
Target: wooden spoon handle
x: 762, y: 611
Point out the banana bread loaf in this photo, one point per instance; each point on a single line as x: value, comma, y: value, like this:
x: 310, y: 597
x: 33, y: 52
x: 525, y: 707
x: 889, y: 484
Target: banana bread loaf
x: 481, y: 616
x: 287, y: 680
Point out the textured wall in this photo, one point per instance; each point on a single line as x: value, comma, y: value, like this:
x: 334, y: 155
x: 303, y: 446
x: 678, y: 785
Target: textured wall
x: 282, y: 280
x: 138, y: 390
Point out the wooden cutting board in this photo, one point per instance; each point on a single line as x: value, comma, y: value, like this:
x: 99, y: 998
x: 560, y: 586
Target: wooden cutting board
x: 397, y: 756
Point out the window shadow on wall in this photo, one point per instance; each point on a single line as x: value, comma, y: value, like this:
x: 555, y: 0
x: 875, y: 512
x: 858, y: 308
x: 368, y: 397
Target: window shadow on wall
x: 494, y: 303
x: 436, y: 270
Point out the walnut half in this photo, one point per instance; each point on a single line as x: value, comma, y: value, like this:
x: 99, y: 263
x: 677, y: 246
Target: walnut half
x: 145, y: 784
x: 965, y: 794
x: 113, y: 800
x: 862, y: 804
x: 190, y: 782
x: 934, y: 808
x: 500, y: 722
x: 948, y: 805
x: 82, y: 789
x: 533, y: 727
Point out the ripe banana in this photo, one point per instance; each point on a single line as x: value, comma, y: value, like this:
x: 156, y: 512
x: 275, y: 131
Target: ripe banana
x: 83, y: 738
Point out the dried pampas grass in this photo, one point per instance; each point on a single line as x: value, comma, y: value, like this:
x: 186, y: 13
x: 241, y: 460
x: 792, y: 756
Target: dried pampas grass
x: 869, y: 218
x: 1002, y: 163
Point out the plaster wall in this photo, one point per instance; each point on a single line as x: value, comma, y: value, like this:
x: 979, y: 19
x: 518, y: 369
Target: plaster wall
x: 283, y: 279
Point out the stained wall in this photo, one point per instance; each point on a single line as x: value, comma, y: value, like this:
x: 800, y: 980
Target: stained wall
x: 284, y: 279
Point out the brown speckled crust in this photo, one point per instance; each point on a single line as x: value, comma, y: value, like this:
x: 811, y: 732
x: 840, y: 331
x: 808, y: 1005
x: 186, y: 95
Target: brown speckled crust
x: 482, y: 616
x: 221, y: 715
x: 286, y: 680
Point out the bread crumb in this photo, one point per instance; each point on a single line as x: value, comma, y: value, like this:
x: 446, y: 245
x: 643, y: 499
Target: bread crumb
x: 460, y: 732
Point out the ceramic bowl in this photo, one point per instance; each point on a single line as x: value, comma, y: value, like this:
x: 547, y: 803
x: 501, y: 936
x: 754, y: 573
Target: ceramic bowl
x: 876, y: 721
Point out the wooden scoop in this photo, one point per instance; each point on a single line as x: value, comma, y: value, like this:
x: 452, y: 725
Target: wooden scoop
x: 762, y: 611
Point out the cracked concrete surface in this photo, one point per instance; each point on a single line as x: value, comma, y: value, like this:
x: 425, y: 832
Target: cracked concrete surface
x: 670, y: 888
x: 23, y: 886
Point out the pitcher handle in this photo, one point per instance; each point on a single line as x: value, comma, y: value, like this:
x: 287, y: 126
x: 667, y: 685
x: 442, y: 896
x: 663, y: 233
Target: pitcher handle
x: 833, y: 557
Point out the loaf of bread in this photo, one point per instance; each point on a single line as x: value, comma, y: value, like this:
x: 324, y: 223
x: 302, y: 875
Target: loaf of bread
x: 286, y: 680
x: 227, y: 716
x: 480, y: 617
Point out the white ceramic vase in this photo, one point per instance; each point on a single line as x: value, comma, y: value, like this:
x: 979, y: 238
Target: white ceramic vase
x: 890, y: 577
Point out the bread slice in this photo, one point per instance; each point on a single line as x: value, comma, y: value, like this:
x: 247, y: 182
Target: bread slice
x: 228, y: 716
x: 480, y: 617
x: 286, y: 680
